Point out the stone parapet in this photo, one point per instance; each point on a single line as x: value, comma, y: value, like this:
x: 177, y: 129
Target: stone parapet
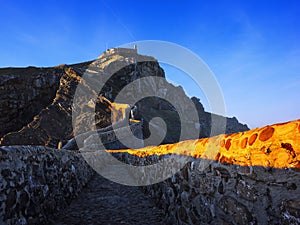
x: 37, y: 182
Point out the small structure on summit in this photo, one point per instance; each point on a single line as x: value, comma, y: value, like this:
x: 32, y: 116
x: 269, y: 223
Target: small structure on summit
x: 120, y: 51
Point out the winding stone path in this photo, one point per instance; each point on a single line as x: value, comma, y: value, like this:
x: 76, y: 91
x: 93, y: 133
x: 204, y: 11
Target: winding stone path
x: 105, y: 202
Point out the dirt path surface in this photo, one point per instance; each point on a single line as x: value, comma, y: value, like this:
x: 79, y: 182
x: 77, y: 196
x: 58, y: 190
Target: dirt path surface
x: 105, y: 202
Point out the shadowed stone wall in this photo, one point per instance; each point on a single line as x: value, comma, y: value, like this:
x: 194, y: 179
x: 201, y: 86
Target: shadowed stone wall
x: 36, y: 182
x: 224, y: 193
x: 117, y: 138
x: 112, y: 137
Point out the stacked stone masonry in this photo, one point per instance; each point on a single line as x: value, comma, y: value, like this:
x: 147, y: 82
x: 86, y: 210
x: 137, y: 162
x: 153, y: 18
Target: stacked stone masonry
x: 112, y: 137
x: 37, y: 182
x: 251, y: 177
x: 224, y: 193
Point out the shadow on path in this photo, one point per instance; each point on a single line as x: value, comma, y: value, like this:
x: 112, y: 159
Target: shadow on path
x: 105, y: 202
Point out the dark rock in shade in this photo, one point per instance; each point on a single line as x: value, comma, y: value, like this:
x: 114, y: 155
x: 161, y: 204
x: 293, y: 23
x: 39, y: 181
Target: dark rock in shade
x: 198, y: 104
x: 237, y: 212
x: 10, y: 203
x: 182, y: 214
x: 24, y: 198
x: 24, y: 93
x: 290, y: 210
x: 246, y: 191
x: 54, y: 123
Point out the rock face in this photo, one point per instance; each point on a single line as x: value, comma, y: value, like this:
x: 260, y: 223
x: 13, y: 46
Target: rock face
x: 249, y: 177
x: 39, y: 116
x: 37, y: 182
x: 24, y: 93
x: 54, y: 123
x: 205, y: 119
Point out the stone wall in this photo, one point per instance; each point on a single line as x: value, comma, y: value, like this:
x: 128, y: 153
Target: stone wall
x: 209, y: 192
x: 111, y: 137
x: 37, y: 182
x: 117, y: 138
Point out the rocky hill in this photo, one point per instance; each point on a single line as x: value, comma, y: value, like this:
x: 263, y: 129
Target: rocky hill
x: 36, y: 103
x: 248, y: 177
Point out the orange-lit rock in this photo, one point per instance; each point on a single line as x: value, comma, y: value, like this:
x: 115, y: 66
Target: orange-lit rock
x: 276, y: 145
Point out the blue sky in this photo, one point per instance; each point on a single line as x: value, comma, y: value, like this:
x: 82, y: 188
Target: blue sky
x: 252, y: 47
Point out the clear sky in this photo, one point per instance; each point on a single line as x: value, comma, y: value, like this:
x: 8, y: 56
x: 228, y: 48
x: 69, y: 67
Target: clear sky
x: 253, y: 47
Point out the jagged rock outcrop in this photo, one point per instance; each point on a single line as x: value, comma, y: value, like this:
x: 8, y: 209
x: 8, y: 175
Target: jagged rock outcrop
x: 50, y: 122
x: 205, y: 118
x: 54, y: 123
